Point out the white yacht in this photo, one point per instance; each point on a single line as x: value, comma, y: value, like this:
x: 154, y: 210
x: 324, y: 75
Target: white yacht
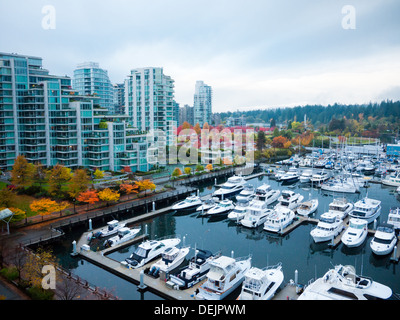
x: 279, y: 174
x: 208, y: 204
x: 257, y: 213
x: 398, y: 190
x: 223, y: 206
x: 308, y: 207
x: 225, y: 275
x: 261, y: 284
x: 342, y: 283
x: 319, y: 177
x: 112, y: 228
x: 328, y: 227
x: 384, y: 240
x: 124, y: 234
x: 342, y: 185
x: 341, y: 207
x: 195, y: 272
x: 239, y: 212
x: 171, y: 258
x: 190, y: 202
x: 368, y: 209
x: 394, y: 218
x: 289, y: 199
x: 149, y: 250
x: 279, y: 219
x: 290, y: 176
x: 234, y: 185
x: 392, y: 180
x: 247, y: 193
x: 266, y: 194
x: 306, y: 175
x: 356, y: 233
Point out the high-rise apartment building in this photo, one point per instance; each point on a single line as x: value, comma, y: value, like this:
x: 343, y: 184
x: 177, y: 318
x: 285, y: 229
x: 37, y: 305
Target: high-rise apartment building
x: 186, y: 114
x: 119, y: 98
x: 202, y: 104
x: 44, y: 119
x: 90, y: 79
x: 149, y: 102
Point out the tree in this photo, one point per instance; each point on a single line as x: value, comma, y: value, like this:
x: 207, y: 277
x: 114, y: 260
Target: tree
x: 197, y: 129
x: 279, y: 142
x: 108, y: 195
x: 206, y: 126
x: 98, y: 174
x: 261, y: 140
x: 126, y: 169
x: 129, y: 188
x: 188, y: 170
x: 89, y: 197
x: 209, y: 167
x: 145, y: 185
x: 79, y: 182
x: 58, y: 176
x: 7, y: 198
x: 34, y: 266
x: 22, y: 172
x: 44, y: 206
x: 177, y: 172
x: 186, y: 125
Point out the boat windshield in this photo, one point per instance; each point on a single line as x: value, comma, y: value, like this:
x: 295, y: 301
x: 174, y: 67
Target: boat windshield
x: 228, y: 187
x: 141, y: 252
x: 382, y: 241
x: 356, y: 225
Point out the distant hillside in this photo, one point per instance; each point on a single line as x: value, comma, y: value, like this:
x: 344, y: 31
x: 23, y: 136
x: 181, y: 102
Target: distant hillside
x: 387, y: 111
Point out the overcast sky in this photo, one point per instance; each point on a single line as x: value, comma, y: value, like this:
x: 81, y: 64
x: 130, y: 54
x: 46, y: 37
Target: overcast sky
x: 254, y: 53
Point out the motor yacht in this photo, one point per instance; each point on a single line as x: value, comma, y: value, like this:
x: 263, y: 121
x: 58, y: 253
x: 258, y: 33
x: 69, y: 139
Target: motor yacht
x: 279, y: 219
x: 308, y: 207
x: 257, y: 213
x: 394, y: 218
x: 319, y: 177
x: 171, y: 258
x: 124, y: 234
x: 328, y: 227
x: 356, y: 233
x: 190, y: 202
x: 266, y: 194
x: 149, y: 250
x: 289, y: 199
x: 398, y: 190
x: 306, y: 175
x: 247, y: 193
x: 225, y: 275
x: 239, y: 212
x: 279, y: 174
x: 208, y: 204
x: 232, y: 186
x: 290, y: 176
x: 195, y: 272
x: 384, y: 240
x: 112, y: 228
x: 261, y: 284
x: 223, y: 206
x: 342, y: 283
x: 392, y: 180
x: 367, y: 208
x: 341, y: 207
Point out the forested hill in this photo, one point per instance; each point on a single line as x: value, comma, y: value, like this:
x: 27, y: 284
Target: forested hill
x: 388, y: 111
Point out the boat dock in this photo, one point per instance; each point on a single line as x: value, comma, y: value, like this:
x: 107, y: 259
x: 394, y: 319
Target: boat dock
x: 135, y: 276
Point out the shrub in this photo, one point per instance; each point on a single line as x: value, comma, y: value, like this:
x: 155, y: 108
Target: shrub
x: 38, y: 293
x: 9, y: 273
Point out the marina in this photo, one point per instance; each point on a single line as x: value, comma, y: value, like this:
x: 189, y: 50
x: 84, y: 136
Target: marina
x: 206, y: 235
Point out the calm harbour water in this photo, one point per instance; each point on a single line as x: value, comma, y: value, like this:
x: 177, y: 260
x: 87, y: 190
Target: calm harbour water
x: 296, y: 250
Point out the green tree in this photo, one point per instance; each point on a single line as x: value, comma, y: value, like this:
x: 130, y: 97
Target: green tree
x: 57, y: 177
x: 79, y: 182
x: 261, y: 140
x: 22, y: 172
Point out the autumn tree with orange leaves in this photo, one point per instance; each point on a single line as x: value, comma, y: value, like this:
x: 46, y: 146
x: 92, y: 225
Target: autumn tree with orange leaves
x: 88, y: 196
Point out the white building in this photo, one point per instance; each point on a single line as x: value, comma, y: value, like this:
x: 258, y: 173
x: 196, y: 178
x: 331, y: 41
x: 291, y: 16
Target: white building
x: 202, y: 104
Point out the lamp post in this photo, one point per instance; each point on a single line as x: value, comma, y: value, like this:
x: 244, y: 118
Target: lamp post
x: 73, y: 200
